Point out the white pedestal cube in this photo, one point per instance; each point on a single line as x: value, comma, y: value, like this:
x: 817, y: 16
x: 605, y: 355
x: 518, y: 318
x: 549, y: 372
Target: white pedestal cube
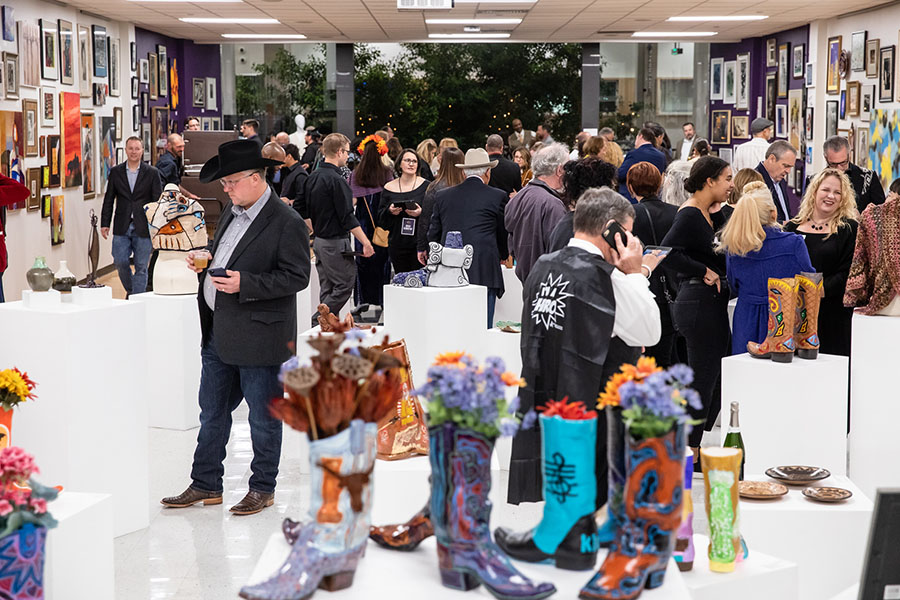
x: 874, y: 410
x: 760, y: 575
x: 41, y: 300
x: 826, y: 541
x: 509, y: 306
x: 87, y: 429
x: 435, y: 320
x: 173, y: 359
x: 791, y: 413
x: 98, y: 296
x: 305, y: 308
x: 79, y: 560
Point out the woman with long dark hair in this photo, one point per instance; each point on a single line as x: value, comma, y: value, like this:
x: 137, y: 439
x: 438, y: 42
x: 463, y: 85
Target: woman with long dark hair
x: 578, y: 176
x: 448, y: 175
x: 401, y: 207
x: 367, y: 182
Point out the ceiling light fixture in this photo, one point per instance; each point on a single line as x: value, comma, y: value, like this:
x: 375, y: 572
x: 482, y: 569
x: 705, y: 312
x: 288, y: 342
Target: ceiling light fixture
x: 495, y: 1
x: 670, y: 34
x: 472, y: 29
x: 191, y: 1
x: 453, y: 36
x: 264, y: 36
x: 474, y: 21
x: 228, y: 21
x: 720, y: 18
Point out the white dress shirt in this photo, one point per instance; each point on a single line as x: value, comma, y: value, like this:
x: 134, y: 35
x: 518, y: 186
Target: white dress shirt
x: 749, y: 154
x: 637, y: 315
x: 686, y: 146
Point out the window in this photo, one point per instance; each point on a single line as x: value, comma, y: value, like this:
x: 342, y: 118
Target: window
x: 675, y: 96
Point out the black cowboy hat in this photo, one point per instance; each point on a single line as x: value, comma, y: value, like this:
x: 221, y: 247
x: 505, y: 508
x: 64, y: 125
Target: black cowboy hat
x: 235, y: 156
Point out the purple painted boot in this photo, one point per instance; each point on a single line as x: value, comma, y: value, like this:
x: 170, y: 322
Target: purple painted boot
x: 326, y: 549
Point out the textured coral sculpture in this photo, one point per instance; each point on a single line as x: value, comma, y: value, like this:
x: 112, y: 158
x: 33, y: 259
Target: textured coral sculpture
x: 329, y: 322
x: 446, y: 266
x: 176, y: 222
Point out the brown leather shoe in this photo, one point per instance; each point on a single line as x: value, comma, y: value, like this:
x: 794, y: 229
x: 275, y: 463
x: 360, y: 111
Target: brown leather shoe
x: 190, y: 496
x: 253, y: 502
x: 406, y: 536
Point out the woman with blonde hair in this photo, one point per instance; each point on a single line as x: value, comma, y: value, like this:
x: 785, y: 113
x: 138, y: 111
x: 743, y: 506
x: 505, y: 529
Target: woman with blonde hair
x: 594, y: 147
x: 827, y: 220
x: 741, y: 179
x: 447, y: 142
x: 427, y: 150
x: 756, y: 249
x: 612, y: 153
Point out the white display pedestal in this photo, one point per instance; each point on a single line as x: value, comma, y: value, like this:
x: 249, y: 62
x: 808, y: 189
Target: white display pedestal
x: 173, y: 359
x: 79, y: 559
x: 505, y: 345
x: 827, y: 541
x: 435, y: 320
x: 759, y: 576
x: 98, y: 296
x: 305, y: 308
x: 41, y: 300
x: 509, y: 306
x: 874, y: 410
x: 87, y: 429
x: 791, y: 414
x: 314, y: 288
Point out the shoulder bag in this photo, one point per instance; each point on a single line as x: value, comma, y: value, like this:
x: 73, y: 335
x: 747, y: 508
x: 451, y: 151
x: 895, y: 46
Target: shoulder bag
x: 379, y: 234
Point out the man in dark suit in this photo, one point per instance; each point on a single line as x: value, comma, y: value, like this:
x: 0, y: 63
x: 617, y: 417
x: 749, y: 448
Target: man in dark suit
x: 476, y: 210
x: 130, y: 186
x: 780, y: 159
x: 507, y: 175
x: 644, y: 151
x: 294, y: 177
x: 248, y: 317
x: 520, y: 137
x: 866, y: 184
x: 250, y: 130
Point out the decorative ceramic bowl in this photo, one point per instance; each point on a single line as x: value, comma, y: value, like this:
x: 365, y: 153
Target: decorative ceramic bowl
x: 761, y: 490
x: 798, y: 474
x: 827, y: 494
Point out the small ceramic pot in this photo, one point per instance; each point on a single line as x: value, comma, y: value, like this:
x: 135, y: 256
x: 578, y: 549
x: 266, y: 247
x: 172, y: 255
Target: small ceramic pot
x: 39, y: 276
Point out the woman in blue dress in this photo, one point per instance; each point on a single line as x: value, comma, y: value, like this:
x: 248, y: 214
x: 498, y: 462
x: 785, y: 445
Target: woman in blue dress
x: 756, y: 249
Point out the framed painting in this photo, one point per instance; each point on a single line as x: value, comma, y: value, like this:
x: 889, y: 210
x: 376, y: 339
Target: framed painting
x: 742, y: 82
x: 833, y: 76
x: 716, y: 81
x: 42, y: 146
x: 146, y: 138
x: 728, y: 95
x: 114, y: 78
x: 198, y: 95
x: 810, y: 71
x: 45, y: 177
x: 66, y: 53
x: 9, y: 24
x: 726, y: 154
x: 771, y: 57
x: 134, y: 88
x: 740, y: 127
x: 866, y: 102
x: 84, y: 61
x: 831, y: 118
x: 163, y: 59
x: 89, y: 153
x: 873, y: 51
x: 145, y: 105
x: 783, y: 66
x: 70, y: 115
x: 853, y: 97
x: 721, y: 127
x: 33, y: 183
x: 48, y: 106
x: 211, y: 102
x: 842, y: 113
x: 795, y: 118
x: 808, y: 124
x: 781, y: 121
x: 101, y: 54
x: 862, y: 147
x: 100, y: 94
x: 153, y: 84
x: 799, y: 61
x: 10, y: 76
x: 30, y: 126
x: 57, y: 220
x: 144, y: 71
x: 771, y: 95
x: 159, y: 127
x: 205, y: 124
x: 117, y: 120
x: 54, y: 159
x: 29, y: 35
x: 49, y: 52
x: 106, y: 155
x: 858, y: 51
x: 886, y: 75
x: 45, y: 206
x: 135, y: 117
x: 216, y: 123
x: 134, y: 64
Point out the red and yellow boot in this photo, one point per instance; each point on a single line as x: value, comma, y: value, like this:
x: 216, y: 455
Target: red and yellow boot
x: 810, y: 291
x: 779, y: 342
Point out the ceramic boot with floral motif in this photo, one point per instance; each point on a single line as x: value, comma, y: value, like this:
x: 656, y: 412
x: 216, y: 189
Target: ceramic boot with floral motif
x: 615, y: 460
x: 779, y: 342
x: 810, y: 291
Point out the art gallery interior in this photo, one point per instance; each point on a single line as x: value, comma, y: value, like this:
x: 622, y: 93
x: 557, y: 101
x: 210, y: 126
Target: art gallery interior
x: 115, y: 418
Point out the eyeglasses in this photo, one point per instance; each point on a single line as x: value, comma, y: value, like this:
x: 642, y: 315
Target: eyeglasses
x: 233, y: 182
x: 410, y: 161
x: 839, y: 165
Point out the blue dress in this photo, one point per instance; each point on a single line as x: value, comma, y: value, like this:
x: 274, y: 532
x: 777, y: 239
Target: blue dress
x: 783, y: 254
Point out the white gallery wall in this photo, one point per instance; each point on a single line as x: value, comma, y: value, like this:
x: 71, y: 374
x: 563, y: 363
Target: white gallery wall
x: 28, y: 235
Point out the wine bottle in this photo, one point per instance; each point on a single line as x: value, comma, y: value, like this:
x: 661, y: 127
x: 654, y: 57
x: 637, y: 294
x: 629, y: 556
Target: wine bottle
x: 733, y: 437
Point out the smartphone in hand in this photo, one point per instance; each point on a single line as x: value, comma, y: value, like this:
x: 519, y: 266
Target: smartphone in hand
x: 613, y: 231
x: 661, y: 251
x: 218, y: 272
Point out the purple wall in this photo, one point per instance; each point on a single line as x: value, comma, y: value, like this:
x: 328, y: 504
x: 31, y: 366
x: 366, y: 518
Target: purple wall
x: 756, y: 47
x: 193, y: 60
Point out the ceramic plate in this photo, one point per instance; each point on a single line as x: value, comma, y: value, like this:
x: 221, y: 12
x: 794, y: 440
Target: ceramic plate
x: 827, y: 494
x: 797, y: 475
x: 761, y: 490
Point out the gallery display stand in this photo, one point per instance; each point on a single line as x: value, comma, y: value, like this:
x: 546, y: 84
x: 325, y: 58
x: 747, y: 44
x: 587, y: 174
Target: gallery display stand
x: 874, y: 410
x: 826, y: 541
x: 435, y: 320
x: 305, y: 307
x: 509, y: 306
x: 79, y: 558
x: 791, y: 413
x: 88, y: 427
x: 173, y: 356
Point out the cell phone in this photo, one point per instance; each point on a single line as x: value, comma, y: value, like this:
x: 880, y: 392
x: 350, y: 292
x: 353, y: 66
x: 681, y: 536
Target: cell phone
x: 218, y: 272
x: 610, y: 233
x: 411, y: 205
x: 663, y: 250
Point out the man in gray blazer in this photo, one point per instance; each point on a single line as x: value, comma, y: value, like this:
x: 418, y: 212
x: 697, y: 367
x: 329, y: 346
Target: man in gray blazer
x: 248, y: 317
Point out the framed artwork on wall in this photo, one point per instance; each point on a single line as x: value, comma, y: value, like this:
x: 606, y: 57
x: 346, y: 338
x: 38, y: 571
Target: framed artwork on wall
x: 873, y: 51
x: 48, y: 107
x: 135, y: 117
x: 742, y: 78
x: 716, y: 80
x: 163, y: 59
x: 101, y: 56
x: 145, y: 105
x: 795, y: 118
x: 866, y: 102
x: 862, y: 147
x: 133, y: 63
x: 153, y: 61
x: 100, y: 90
x: 49, y: 52
x: 89, y: 156
x: 725, y: 154
x: 134, y: 88
x: 57, y: 220
x: 721, y: 127
x: 886, y: 75
x: 842, y: 113
x: 730, y: 82
x: 853, y: 97
x: 10, y: 76
x: 66, y: 53
x: 9, y: 24
x: 205, y: 124
x: 45, y: 205
x: 216, y: 123
x: 833, y: 77
x: 810, y: 70
x: 30, y: 126
x: 33, y: 183
x: 42, y: 146
x: 53, y: 159
x: 29, y: 54
x: 808, y: 124
x: 771, y: 95
x: 858, y: 51
x: 799, y: 61
x: 84, y: 61
x: 199, y: 92
x: 145, y: 138
x: 144, y: 71
x: 114, y: 79
x: 70, y: 119
x: 831, y: 118
x: 740, y: 127
x: 211, y: 102
x: 781, y: 121
x: 771, y: 57
x: 159, y: 126
x: 117, y: 120
x: 783, y: 66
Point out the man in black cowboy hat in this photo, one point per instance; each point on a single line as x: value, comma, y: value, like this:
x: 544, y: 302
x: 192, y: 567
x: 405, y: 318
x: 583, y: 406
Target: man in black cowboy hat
x: 248, y: 316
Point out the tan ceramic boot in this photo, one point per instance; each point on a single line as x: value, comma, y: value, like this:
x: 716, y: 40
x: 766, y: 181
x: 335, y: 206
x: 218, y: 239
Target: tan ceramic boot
x: 779, y: 342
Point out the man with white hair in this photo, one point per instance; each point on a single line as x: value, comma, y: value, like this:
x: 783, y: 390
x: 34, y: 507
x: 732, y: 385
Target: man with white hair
x: 532, y: 214
x: 475, y: 210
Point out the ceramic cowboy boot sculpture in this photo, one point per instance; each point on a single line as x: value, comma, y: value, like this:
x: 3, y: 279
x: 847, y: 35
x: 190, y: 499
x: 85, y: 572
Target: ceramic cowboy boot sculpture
x: 779, y: 342
x: 721, y: 471
x: 327, y: 548
x: 615, y: 460
x: 684, y: 540
x: 567, y: 533
x: 810, y: 290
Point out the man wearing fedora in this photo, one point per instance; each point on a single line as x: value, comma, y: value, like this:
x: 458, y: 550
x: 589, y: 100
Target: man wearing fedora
x: 476, y: 210
x: 248, y: 317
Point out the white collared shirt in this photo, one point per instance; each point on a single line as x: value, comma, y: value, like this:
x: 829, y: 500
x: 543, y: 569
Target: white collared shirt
x: 686, y: 146
x: 637, y: 315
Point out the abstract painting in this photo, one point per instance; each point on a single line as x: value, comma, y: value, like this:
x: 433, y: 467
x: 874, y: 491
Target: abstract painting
x: 57, y: 219
x: 884, y: 151
x: 88, y: 152
x: 66, y: 53
x: 12, y: 156
x: 101, y: 54
x: 53, y: 160
x: 29, y: 54
x: 107, y: 149
x: 70, y: 111
x: 795, y: 118
x: 833, y: 77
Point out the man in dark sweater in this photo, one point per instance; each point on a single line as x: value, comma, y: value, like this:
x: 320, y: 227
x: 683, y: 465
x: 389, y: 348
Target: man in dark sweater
x: 866, y: 184
x: 330, y: 205
x: 507, y: 175
x: 644, y: 151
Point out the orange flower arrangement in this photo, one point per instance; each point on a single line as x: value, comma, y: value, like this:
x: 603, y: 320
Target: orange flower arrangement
x: 380, y: 144
x: 645, y: 367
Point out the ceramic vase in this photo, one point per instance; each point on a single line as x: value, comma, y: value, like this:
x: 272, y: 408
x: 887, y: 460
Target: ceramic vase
x: 721, y: 471
x: 63, y: 279
x: 22, y: 563
x: 39, y: 276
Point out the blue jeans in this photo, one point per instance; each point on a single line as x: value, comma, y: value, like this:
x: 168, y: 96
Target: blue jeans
x: 122, y: 248
x: 492, y: 302
x: 222, y: 386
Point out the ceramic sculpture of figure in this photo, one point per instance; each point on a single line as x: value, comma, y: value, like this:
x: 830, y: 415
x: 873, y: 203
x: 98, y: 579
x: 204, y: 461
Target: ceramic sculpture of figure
x: 721, y: 469
x: 177, y: 225
x: 93, y: 254
x: 446, y: 266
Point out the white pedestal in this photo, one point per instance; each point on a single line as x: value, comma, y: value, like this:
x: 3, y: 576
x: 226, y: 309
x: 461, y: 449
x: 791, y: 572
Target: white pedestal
x: 173, y: 359
x: 827, y: 541
x: 505, y: 345
x: 87, y: 429
x: 509, y: 306
x: 759, y: 576
x: 79, y: 560
x: 791, y: 414
x: 874, y: 410
x: 314, y: 299
x: 99, y: 296
x: 305, y: 308
x: 435, y: 320
x: 41, y: 300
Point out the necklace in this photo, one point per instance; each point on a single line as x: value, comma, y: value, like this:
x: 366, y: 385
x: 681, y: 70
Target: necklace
x: 400, y: 183
x: 817, y: 226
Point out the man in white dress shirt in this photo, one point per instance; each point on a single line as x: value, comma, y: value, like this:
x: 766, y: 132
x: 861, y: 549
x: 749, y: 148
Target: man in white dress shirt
x: 750, y: 154
x: 688, y: 142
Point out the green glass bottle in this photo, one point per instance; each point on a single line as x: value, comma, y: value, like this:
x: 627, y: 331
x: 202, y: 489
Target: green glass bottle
x: 733, y: 437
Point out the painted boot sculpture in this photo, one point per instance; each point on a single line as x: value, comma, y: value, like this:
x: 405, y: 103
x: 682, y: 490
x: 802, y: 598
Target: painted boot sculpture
x: 405, y: 536
x: 567, y: 533
x: 779, y: 342
x: 684, y: 540
x: 810, y: 290
x: 721, y: 472
x: 327, y: 548
x: 460, y: 511
x: 653, y: 493
x: 615, y: 460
